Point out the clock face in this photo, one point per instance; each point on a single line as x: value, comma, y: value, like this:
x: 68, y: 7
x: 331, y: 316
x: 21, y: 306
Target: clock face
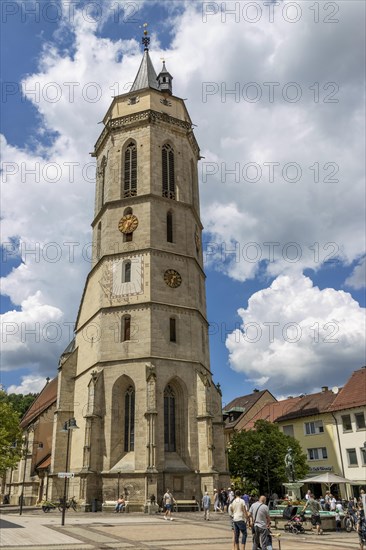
x: 172, y: 278
x: 128, y: 223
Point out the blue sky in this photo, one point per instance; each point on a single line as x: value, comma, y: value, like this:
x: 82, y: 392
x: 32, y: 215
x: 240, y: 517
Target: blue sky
x: 308, y: 288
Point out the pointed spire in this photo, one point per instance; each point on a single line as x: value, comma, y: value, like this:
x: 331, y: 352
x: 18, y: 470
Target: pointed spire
x: 146, y: 75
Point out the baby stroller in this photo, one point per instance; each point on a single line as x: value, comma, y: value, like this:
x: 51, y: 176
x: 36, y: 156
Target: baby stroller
x: 294, y: 520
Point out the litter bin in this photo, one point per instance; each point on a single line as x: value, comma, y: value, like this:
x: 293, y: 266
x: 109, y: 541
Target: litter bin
x: 94, y: 505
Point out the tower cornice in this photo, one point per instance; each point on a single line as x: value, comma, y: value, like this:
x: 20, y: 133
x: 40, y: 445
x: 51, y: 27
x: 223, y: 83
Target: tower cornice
x: 148, y: 116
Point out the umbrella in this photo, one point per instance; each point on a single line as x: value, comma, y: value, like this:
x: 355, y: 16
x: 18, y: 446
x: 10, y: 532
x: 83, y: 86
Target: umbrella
x: 327, y: 478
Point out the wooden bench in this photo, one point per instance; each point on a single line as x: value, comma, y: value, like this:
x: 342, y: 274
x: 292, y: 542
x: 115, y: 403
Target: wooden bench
x: 188, y: 505
x: 110, y: 506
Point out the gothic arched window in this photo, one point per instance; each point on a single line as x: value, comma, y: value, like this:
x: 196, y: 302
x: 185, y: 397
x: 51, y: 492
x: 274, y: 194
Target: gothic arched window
x: 168, y: 179
x: 169, y: 419
x: 130, y: 171
x: 126, y: 328
x: 129, y: 419
x: 169, y: 227
x: 126, y: 271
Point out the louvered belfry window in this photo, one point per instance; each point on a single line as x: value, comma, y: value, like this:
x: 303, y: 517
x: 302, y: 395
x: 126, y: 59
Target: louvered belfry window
x: 168, y: 172
x: 130, y: 175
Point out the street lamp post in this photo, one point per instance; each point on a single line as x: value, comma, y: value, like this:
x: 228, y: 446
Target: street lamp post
x: 24, y: 472
x: 68, y: 426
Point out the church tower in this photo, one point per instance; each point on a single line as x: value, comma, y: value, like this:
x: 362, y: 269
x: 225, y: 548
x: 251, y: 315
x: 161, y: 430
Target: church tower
x: 137, y: 377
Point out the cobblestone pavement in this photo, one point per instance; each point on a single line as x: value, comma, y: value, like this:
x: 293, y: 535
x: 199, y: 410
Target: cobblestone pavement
x: 188, y: 531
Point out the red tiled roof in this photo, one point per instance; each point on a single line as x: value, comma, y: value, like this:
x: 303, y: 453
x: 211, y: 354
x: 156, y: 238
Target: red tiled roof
x: 309, y: 405
x: 353, y: 394
x: 271, y: 411
x: 45, y: 399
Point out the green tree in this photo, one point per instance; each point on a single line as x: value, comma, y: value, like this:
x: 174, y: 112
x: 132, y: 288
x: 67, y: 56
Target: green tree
x: 258, y: 457
x: 20, y: 402
x: 10, y: 437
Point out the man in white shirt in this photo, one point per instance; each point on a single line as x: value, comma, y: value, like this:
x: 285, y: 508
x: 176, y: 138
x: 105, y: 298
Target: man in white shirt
x: 238, y: 512
x: 168, y: 503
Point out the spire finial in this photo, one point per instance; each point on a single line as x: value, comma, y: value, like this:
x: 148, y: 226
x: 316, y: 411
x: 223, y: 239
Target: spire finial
x: 146, y: 39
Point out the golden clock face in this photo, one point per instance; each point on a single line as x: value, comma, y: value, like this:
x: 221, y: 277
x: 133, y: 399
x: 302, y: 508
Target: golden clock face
x: 128, y: 223
x: 172, y: 278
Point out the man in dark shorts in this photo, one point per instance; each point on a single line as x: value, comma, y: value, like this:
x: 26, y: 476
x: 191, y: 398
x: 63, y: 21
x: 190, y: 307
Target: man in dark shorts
x: 168, y: 501
x: 314, y: 508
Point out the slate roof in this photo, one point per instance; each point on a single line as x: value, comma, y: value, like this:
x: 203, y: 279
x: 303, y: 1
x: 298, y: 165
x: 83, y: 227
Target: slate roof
x: 146, y: 76
x: 245, y: 403
x: 353, y: 394
x: 70, y: 348
x: 272, y: 411
x: 44, y: 400
x: 309, y: 405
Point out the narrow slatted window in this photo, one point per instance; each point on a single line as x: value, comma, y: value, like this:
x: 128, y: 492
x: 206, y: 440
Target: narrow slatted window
x: 168, y: 176
x: 169, y: 227
x: 126, y: 328
x: 130, y: 171
x: 99, y: 240
x: 173, y: 329
x: 126, y: 271
x: 129, y: 420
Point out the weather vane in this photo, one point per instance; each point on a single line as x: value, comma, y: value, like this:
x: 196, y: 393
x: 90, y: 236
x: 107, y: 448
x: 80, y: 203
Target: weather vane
x: 145, y: 39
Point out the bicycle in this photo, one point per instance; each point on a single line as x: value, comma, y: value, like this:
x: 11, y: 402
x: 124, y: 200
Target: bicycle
x: 70, y: 503
x: 349, y: 522
x: 48, y: 505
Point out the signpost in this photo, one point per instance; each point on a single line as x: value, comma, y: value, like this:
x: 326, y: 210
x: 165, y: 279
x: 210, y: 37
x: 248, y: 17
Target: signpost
x: 64, y: 475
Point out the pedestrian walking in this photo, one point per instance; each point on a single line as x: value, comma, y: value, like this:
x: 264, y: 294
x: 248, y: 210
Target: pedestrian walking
x: 206, y: 505
x: 168, y: 501
x: 238, y: 511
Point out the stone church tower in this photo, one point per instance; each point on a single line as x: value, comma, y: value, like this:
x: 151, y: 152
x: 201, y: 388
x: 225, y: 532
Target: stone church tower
x: 137, y: 376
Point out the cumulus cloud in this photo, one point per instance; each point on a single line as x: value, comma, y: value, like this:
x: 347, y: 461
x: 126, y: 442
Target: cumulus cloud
x: 29, y: 384
x: 32, y: 337
x: 295, y: 335
x: 357, y: 279
x: 295, y: 171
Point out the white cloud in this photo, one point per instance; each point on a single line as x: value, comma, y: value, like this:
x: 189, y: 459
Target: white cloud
x: 295, y: 335
x: 33, y: 337
x: 357, y: 279
x: 29, y: 384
